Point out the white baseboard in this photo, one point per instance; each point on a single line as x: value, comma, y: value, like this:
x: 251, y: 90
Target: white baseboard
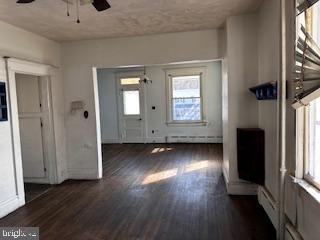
x: 83, y: 174
x: 37, y: 180
x: 239, y: 187
x: 225, y: 175
x: 110, y: 141
x: 269, y: 205
x: 10, y: 205
x: 156, y: 140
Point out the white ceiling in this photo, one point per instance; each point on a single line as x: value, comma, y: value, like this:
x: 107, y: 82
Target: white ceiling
x: 125, y: 18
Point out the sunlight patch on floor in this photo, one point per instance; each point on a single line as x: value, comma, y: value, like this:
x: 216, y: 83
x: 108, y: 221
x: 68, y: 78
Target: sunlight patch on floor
x: 159, y: 176
x: 159, y: 150
x: 196, y: 166
x: 156, y: 177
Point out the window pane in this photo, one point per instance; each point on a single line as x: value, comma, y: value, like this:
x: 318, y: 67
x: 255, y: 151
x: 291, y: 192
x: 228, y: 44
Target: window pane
x: 129, y: 81
x: 187, y: 109
x: 131, y: 102
x: 186, y: 86
x: 314, y: 139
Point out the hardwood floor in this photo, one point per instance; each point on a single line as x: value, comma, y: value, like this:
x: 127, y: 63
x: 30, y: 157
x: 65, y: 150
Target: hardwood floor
x: 154, y: 191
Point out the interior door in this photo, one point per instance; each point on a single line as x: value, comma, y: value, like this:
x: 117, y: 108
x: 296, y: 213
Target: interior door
x: 131, y: 109
x: 30, y: 122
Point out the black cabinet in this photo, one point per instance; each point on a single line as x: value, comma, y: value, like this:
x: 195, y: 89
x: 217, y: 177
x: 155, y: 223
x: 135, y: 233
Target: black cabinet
x: 251, y: 154
x: 3, y: 103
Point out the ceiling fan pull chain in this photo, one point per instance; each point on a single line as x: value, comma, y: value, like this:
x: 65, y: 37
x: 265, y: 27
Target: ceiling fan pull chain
x: 78, y: 18
x: 68, y: 13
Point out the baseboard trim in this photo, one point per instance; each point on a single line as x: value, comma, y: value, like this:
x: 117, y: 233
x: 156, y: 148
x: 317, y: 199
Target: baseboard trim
x: 156, y: 140
x: 225, y: 176
x: 37, y: 180
x: 269, y: 205
x: 110, y: 141
x: 10, y: 205
x: 83, y: 173
x: 239, y: 187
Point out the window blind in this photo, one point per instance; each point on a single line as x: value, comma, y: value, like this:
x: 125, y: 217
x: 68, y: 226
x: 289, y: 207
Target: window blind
x: 303, y: 5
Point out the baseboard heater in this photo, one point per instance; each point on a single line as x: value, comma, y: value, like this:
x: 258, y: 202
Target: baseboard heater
x: 193, y: 139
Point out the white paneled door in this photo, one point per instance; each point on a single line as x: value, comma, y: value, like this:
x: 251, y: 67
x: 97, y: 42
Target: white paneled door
x: 30, y: 122
x: 131, y: 110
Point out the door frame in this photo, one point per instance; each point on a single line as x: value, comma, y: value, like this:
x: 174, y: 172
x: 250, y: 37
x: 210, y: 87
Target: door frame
x: 142, y: 91
x: 45, y: 72
x: 47, y: 133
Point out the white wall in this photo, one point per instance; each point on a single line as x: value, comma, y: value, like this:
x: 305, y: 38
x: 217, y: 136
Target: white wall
x: 108, y: 105
x: 240, y: 107
x: 156, y: 96
x: 18, y: 43
x: 269, y: 70
x: 78, y: 59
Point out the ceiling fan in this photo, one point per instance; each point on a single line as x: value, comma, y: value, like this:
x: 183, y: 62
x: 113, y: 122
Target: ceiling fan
x: 100, y: 5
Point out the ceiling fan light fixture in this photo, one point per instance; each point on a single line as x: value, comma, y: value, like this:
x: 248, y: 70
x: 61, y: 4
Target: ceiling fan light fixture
x: 101, y: 5
x: 25, y: 1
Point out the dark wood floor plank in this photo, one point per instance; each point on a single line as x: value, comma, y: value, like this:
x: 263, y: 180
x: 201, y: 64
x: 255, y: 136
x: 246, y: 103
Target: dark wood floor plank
x: 154, y: 191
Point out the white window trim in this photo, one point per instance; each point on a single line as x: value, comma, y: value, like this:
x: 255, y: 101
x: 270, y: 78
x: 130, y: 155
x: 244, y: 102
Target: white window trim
x: 302, y: 138
x: 185, y: 72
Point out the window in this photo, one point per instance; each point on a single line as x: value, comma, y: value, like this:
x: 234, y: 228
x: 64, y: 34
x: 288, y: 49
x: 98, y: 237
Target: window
x: 313, y: 141
x: 129, y: 81
x: 185, y: 100
x: 131, y: 102
x: 308, y: 138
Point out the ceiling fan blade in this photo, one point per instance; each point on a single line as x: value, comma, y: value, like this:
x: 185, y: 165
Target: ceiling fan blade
x: 83, y: 2
x: 25, y: 1
x: 101, y: 5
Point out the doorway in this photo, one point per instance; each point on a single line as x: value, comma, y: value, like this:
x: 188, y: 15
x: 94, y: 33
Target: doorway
x: 131, y: 108
x: 33, y: 101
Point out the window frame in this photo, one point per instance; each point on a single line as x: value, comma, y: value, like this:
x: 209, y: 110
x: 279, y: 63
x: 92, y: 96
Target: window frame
x: 180, y: 72
x: 302, y: 138
x: 306, y: 175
